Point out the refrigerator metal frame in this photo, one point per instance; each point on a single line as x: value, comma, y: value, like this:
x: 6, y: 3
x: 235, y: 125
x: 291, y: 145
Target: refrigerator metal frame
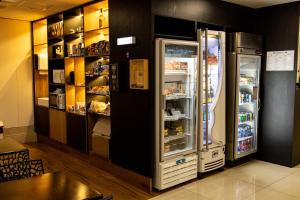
x: 238, y: 70
x: 215, y: 145
x: 162, y: 106
x: 160, y: 44
x: 201, y: 145
x: 239, y: 44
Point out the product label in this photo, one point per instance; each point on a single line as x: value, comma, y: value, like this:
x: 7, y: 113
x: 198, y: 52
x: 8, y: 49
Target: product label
x: 181, y: 161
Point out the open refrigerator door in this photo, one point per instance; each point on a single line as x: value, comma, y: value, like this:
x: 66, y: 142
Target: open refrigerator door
x: 212, y: 108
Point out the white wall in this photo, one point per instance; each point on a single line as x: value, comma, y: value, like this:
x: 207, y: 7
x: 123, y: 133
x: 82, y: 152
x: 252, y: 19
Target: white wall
x: 16, y: 92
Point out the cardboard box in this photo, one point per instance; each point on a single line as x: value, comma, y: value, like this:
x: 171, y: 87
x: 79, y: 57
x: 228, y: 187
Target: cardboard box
x: 100, y: 146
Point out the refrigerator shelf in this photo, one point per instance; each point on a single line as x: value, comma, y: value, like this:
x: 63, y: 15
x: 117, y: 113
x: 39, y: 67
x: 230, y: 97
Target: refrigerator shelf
x: 245, y: 138
x: 250, y: 123
x: 247, y: 104
x: 176, y: 73
x: 177, y: 97
x: 176, y: 118
x: 249, y: 85
x: 175, y: 137
x: 178, y: 151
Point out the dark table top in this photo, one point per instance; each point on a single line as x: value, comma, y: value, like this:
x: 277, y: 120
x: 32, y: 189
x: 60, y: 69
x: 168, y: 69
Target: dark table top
x: 8, y: 145
x: 51, y: 186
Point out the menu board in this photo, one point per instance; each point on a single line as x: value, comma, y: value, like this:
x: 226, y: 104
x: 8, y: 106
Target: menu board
x: 280, y: 60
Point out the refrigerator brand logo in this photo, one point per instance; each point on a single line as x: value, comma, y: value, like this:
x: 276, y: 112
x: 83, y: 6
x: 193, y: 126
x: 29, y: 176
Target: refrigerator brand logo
x: 181, y: 161
x: 215, y: 154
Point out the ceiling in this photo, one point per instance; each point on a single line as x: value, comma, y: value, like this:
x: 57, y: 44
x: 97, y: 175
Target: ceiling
x: 259, y: 3
x: 30, y: 10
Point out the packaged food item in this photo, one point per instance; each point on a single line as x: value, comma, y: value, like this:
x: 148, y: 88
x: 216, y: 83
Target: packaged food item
x: 175, y: 65
x: 167, y: 148
x: 166, y: 132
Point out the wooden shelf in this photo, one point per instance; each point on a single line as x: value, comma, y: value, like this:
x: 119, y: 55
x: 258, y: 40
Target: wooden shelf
x: 57, y: 84
x: 40, y: 32
x: 77, y: 113
x: 74, y: 35
x: 53, y: 39
x: 55, y: 58
x: 36, y: 45
x: 100, y: 114
x: 92, y: 14
x: 97, y: 56
x: 55, y: 108
x: 97, y: 30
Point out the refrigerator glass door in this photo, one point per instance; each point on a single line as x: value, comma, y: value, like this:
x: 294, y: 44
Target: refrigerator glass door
x: 179, y: 86
x: 248, y: 104
x: 214, y: 79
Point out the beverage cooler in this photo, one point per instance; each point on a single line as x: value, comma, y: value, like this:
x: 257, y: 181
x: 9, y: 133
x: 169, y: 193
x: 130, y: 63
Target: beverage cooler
x: 176, y: 105
x: 243, y: 75
x: 212, y: 119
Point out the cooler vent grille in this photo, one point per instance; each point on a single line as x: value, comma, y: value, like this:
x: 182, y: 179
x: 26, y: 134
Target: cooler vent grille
x: 178, y: 173
x: 214, y: 165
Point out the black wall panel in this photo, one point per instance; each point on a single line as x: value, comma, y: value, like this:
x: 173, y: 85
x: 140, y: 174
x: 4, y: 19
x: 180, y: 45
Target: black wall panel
x: 76, y: 132
x: 206, y: 11
x: 131, y: 111
x: 41, y: 117
x: 280, y: 26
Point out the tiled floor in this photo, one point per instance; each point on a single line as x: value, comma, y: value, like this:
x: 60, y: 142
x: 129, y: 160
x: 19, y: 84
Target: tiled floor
x: 255, y: 180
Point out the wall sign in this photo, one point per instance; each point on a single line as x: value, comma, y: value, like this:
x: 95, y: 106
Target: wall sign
x: 126, y: 40
x: 280, y: 60
x: 139, y: 74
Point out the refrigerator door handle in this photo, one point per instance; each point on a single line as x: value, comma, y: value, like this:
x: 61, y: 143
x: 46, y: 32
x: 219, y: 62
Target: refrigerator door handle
x: 259, y: 104
x: 206, y: 87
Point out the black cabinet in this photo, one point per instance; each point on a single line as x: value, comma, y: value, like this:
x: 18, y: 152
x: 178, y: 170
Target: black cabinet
x: 76, y: 132
x: 41, y: 120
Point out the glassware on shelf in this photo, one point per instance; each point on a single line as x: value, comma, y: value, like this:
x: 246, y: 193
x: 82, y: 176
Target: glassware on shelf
x: 79, y: 107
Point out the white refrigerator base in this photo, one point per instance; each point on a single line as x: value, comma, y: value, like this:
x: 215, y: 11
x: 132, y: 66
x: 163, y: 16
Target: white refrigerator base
x: 176, y: 171
x: 212, y: 159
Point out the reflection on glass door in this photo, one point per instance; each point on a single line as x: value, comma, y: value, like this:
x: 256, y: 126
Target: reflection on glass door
x: 211, y: 86
x: 179, y: 92
x: 248, y: 98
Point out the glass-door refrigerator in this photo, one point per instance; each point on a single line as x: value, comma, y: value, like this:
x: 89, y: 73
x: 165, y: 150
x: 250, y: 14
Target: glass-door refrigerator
x: 243, y: 104
x: 177, y: 64
x: 212, y: 131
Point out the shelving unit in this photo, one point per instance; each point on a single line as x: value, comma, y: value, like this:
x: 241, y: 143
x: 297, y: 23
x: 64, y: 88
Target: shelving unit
x: 76, y: 42
x: 41, y: 78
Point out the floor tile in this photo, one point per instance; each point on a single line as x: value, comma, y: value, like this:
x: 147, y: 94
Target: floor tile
x: 289, y: 185
x: 180, y: 194
x: 225, y: 187
x: 260, y: 173
x: 297, y: 173
x: 266, y: 194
